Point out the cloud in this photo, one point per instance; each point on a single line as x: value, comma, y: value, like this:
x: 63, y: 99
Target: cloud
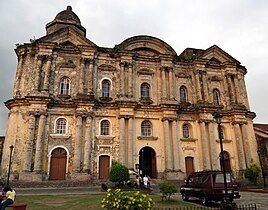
x: 238, y: 27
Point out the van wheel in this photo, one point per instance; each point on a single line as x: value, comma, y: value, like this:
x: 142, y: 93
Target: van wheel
x: 204, y: 200
x: 184, y: 196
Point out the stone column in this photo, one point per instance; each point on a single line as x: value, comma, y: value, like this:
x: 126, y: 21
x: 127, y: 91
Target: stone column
x: 87, y: 148
x: 213, y: 146
x: 164, y: 85
x: 39, y: 144
x: 90, y: 77
x: 29, y: 144
x: 122, y: 143
x: 246, y: 145
x: 167, y: 146
x: 180, y: 151
x: 77, y: 145
x: 130, y: 143
x: 226, y: 90
x: 176, y: 164
x: 205, y: 149
x: 122, y: 79
x: 205, y: 85
x: 18, y: 76
x: 237, y: 90
x: 47, y: 72
x: 130, y: 80
x: 198, y: 86
x: 81, y: 76
x: 171, y: 84
x: 38, y: 72
x: 240, y: 147
x: 230, y: 88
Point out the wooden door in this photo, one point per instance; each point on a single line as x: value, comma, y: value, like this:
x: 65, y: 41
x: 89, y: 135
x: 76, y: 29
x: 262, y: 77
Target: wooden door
x: 58, y: 164
x: 104, y: 167
x: 189, y: 165
x: 154, y: 175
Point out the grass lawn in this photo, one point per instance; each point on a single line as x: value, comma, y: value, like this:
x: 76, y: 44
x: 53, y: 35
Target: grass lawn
x: 80, y: 202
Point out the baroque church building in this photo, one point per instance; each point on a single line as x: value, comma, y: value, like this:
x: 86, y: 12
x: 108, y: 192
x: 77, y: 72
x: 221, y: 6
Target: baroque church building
x: 76, y: 107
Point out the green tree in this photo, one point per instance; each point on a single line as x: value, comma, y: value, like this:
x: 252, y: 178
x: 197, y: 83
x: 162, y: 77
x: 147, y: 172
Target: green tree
x: 118, y: 173
x: 167, y: 189
x: 252, y: 173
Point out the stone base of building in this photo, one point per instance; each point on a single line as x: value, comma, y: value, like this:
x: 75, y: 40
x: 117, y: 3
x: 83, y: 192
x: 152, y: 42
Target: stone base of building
x: 175, y: 175
x: 30, y: 177
x: 80, y: 177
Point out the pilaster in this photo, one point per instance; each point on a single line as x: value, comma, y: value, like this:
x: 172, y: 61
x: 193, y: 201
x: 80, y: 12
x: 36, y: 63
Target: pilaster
x: 39, y: 143
x: 77, y: 144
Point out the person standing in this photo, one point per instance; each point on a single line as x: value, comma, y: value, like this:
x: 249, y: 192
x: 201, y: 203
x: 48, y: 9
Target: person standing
x: 145, y: 181
x: 10, y: 197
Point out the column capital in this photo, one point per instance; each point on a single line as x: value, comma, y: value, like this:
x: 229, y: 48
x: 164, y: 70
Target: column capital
x: 239, y: 122
x: 169, y: 119
x: 206, y: 121
x: 201, y: 72
x: 125, y: 116
x: 37, y: 113
x: 166, y: 68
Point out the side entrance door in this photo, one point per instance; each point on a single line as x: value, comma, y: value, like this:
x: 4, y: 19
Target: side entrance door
x: 104, y: 166
x: 58, y: 164
x: 189, y: 165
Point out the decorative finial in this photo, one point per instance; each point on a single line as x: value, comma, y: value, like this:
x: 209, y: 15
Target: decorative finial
x: 69, y: 8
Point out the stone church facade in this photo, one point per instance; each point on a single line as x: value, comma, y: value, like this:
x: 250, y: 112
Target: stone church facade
x: 77, y: 106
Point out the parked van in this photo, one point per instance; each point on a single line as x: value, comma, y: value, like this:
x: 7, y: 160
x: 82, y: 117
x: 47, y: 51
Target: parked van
x: 209, y: 186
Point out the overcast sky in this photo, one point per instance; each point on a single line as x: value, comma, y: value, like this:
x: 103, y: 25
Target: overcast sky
x: 240, y: 27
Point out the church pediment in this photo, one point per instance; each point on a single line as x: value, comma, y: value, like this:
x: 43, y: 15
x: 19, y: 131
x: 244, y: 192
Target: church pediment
x: 68, y: 47
x: 147, y: 45
x: 216, y: 56
x: 67, y: 34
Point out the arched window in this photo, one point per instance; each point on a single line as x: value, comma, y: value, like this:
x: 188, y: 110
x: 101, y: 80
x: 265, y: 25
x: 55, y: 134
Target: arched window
x: 105, y: 127
x: 183, y: 94
x: 185, y: 131
x: 65, y: 85
x: 146, y: 128
x: 105, y: 88
x: 145, y: 90
x: 216, y: 97
x: 61, y: 125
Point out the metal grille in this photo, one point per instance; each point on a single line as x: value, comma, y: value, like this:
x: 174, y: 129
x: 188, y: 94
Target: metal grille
x: 238, y: 207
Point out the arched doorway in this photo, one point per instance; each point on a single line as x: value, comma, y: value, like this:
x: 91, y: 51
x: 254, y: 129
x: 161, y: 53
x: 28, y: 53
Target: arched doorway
x: 226, y: 160
x: 189, y: 165
x: 58, y: 164
x: 147, y: 162
x: 104, y: 167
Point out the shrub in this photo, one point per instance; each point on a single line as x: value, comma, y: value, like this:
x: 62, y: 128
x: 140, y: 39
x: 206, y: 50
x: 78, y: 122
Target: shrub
x: 167, y: 189
x: 116, y: 199
x: 252, y: 173
x: 119, y: 173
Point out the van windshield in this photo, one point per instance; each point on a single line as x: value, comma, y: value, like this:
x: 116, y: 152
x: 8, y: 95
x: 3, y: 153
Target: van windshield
x: 219, y: 178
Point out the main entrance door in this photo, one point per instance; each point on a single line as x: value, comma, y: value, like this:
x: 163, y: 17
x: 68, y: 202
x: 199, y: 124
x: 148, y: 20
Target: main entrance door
x: 189, y: 165
x: 58, y: 164
x: 104, y: 166
x: 147, y: 162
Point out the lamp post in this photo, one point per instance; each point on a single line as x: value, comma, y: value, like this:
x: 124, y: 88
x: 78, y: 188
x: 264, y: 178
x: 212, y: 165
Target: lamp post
x: 11, y: 147
x: 217, y: 116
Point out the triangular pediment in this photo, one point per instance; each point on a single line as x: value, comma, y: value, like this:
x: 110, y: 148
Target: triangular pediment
x: 216, y: 55
x: 67, y: 34
x: 68, y: 47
